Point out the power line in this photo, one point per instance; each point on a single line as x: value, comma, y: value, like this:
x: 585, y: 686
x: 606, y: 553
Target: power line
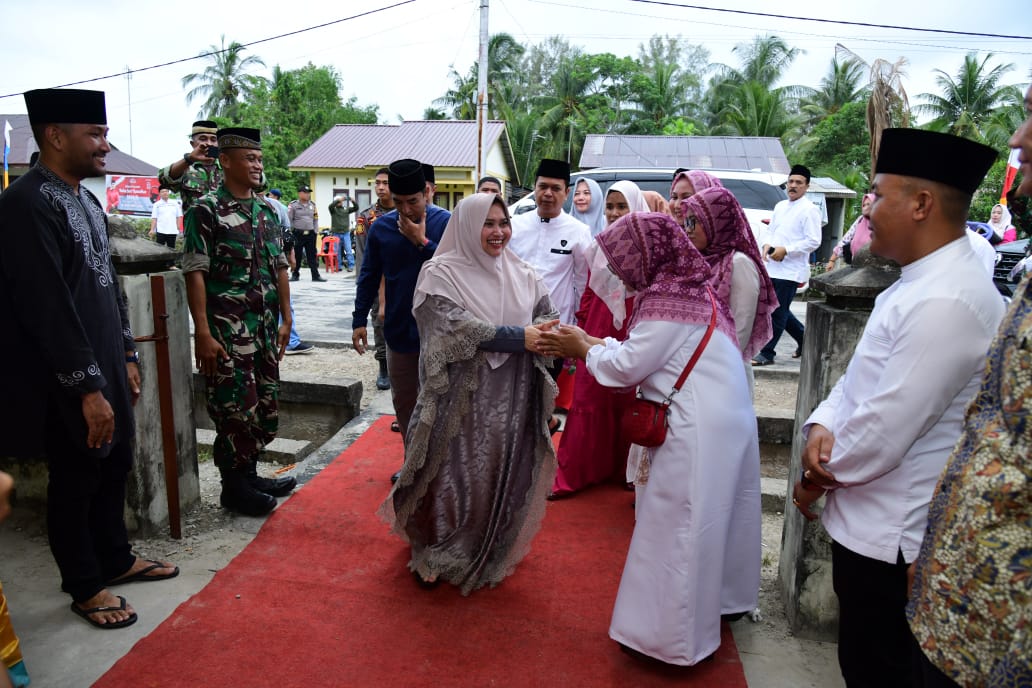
x: 831, y: 21
x: 216, y: 52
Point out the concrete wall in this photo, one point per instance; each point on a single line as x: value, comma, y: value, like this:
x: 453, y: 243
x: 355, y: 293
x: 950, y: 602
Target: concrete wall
x: 805, y: 566
x: 147, y: 507
x: 311, y: 407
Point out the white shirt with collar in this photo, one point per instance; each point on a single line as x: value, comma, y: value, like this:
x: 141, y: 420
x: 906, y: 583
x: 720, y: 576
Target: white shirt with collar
x: 557, y: 250
x: 983, y: 249
x: 796, y: 225
x: 898, y: 409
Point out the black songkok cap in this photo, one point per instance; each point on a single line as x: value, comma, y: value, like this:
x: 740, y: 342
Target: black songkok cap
x: 802, y: 171
x: 65, y: 106
x: 406, y: 176
x: 555, y: 169
x: 428, y: 172
x: 204, y: 126
x: 950, y: 160
x: 239, y: 137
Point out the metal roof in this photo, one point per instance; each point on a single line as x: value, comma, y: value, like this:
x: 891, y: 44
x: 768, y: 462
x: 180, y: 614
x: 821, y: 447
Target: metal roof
x: 442, y: 143
x: 830, y: 188
x: 23, y: 146
x: 762, y: 154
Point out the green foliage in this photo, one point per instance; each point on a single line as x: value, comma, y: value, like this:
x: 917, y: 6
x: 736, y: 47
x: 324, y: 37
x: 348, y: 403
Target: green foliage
x: 292, y: 110
x: 840, y: 142
x: 988, y: 193
x: 224, y: 83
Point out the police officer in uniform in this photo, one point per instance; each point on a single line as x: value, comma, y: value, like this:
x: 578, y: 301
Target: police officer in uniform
x: 237, y: 285
x: 304, y: 221
x: 198, y: 172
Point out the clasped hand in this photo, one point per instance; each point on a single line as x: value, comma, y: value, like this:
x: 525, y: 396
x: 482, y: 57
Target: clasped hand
x: 532, y: 334
x: 568, y: 341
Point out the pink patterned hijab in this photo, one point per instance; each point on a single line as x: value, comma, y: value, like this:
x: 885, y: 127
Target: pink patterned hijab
x: 699, y: 180
x: 652, y: 255
x: 727, y: 232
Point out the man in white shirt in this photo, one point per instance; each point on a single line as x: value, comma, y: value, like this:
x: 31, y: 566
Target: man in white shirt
x: 880, y: 440
x: 794, y: 232
x: 166, y: 219
x: 554, y: 242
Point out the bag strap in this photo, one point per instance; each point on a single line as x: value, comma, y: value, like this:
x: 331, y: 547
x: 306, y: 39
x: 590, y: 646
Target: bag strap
x: 698, y: 350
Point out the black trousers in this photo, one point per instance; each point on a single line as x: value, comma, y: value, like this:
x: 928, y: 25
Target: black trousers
x: 875, y: 643
x: 304, y: 243
x: 166, y: 239
x: 782, y: 319
x: 85, y: 521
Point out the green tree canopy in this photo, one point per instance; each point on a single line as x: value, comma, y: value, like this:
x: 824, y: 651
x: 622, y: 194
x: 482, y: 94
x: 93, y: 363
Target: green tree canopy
x: 225, y: 82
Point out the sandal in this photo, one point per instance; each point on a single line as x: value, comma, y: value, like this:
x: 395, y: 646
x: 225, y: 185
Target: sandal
x: 142, y: 577
x: 798, y: 352
x: 85, y: 613
x: 759, y: 360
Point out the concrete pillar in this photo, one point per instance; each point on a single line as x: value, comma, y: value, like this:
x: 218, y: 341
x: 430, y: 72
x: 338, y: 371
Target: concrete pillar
x: 136, y: 261
x: 833, y: 328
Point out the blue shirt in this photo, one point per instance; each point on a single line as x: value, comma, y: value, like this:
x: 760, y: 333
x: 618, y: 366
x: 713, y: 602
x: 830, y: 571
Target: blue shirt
x: 388, y: 254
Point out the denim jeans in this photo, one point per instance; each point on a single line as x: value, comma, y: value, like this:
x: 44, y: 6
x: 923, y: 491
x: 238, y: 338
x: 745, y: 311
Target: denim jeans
x: 344, y: 249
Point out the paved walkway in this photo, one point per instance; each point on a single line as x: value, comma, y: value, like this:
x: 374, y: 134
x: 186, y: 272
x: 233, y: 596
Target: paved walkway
x: 322, y: 315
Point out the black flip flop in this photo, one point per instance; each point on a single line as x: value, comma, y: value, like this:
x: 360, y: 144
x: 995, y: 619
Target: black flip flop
x: 85, y: 613
x: 142, y: 577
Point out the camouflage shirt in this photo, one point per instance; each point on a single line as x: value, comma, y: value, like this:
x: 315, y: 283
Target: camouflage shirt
x: 367, y: 217
x: 198, y: 180
x: 239, y: 245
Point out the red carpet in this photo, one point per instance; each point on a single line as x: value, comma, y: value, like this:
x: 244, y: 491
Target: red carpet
x: 322, y: 597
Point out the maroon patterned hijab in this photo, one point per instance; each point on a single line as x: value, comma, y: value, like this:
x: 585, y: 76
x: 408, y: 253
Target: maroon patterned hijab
x: 727, y: 232
x: 700, y: 180
x: 653, y: 256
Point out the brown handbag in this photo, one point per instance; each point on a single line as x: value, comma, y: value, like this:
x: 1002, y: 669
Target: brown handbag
x: 644, y: 422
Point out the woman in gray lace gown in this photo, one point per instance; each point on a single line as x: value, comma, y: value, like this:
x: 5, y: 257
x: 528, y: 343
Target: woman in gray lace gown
x: 479, y: 459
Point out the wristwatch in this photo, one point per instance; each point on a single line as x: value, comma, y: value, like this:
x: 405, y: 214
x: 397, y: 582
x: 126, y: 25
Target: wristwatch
x: 134, y: 357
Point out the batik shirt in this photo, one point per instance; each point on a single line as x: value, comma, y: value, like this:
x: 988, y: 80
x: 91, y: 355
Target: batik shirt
x: 66, y: 327
x: 238, y: 244
x: 198, y: 180
x: 971, y: 604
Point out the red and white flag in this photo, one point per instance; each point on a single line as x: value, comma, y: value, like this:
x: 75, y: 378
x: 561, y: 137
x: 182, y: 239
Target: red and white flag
x: 1008, y: 177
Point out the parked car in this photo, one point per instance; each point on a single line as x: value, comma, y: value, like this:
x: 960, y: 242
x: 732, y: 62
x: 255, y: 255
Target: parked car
x: 1007, y: 256
x: 758, y: 192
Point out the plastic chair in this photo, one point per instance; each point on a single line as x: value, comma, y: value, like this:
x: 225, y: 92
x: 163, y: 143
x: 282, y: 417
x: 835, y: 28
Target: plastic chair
x: 329, y: 253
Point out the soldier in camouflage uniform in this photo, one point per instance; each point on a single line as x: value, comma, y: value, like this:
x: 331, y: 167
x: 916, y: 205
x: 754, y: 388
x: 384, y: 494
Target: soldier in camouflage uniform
x: 237, y: 287
x: 366, y: 218
x: 197, y: 173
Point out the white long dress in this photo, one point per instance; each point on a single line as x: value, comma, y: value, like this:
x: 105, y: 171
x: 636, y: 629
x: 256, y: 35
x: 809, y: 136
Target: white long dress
x: 695, y: 552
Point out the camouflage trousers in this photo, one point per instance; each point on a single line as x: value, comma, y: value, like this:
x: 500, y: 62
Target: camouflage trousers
x: 243, y: 402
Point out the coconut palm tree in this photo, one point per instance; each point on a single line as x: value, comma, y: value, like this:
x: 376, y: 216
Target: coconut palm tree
x: 887, y: 104
x: 967, y: 103
x: 745, y: 101
x: 224, y: 82
x: 571, y: 85
x: 842, y: 84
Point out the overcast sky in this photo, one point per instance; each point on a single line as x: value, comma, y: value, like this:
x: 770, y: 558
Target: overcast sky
x: 400, y: 58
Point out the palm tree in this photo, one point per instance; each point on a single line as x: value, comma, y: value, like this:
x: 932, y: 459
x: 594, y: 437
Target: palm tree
x: 758, y: 111
x: 887, y: 104
x: 745, y: 101
x: 461, y: 99
x: 571, y: 84
x: 224, y: 81
x: 968, y: 102
x: 840, y: 86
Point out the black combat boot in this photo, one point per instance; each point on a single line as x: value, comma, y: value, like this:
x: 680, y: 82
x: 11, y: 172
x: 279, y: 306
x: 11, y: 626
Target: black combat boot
x: 274, y: 487
x: 239, y: 496
x: 383, y: 380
